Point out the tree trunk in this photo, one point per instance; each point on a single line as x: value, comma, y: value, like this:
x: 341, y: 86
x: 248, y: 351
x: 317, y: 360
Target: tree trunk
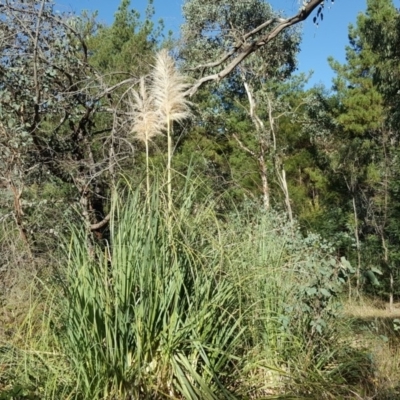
x: 358, y: 270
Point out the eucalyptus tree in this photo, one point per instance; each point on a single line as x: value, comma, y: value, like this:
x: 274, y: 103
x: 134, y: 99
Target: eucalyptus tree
x: 212, y: 30
x: 236, y: 43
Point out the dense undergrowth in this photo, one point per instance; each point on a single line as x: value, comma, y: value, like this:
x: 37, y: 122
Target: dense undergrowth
x: 184, y: 303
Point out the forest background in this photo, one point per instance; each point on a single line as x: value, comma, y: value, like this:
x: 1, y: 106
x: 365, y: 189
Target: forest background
x: 174, y: 226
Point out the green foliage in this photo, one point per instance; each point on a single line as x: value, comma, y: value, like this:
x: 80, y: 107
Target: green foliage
x: 351, y: 159
x: 361, y: 103
x: 308, y: 261
x: 369, y: 149
x: 151, y: 315
x: 127, y: 45
x: 381, y: 28
x: 200, y: 308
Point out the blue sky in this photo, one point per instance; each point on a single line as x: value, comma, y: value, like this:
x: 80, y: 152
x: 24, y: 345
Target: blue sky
x: 319, y: 42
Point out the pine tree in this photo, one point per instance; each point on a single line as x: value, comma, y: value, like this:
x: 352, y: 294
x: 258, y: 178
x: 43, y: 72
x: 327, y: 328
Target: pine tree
x: 364, y: 144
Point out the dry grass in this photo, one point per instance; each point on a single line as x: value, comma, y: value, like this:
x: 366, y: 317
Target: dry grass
x: 17, y: 271
x: 375, y: 329
x: 366, y: 308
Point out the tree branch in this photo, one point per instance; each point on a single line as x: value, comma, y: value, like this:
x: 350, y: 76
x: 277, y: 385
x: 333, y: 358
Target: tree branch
x: 99, y: 225
x: 243, y: 50
x: 242, y: 146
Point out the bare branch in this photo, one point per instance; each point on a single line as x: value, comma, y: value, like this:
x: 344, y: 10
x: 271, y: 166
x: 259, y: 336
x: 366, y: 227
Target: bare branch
x: 242, y: 146
x: 224, y: 58
x: 116, y: 86
x: 101, y: 224
x: 262, y: 26
x: 259, y: 124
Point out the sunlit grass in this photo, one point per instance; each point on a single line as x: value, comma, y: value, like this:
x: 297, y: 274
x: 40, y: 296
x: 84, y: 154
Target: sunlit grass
x: 376, y: 328
x: 150, y: 316
x: 184, y: 304
x: 367, y: 308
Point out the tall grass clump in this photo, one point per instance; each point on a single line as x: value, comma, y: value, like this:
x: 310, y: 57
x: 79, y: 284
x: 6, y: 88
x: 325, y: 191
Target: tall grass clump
x: 150, y: 317
x: 289, y: 286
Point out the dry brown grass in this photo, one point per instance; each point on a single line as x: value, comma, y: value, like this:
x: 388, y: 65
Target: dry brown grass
x: 375, y: 329
x: 367, y: 308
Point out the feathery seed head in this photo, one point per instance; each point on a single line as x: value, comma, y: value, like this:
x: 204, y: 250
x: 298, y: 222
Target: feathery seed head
x: 146, y: 121
x: 168, y: 89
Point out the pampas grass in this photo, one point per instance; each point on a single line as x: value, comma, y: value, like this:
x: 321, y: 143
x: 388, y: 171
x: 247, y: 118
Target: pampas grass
x: 155, y: 111
x: 167, y: 90
x: 146, y: 120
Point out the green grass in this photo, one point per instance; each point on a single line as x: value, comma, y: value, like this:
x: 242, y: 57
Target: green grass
x: 184, y: 304
x: 151, y: 315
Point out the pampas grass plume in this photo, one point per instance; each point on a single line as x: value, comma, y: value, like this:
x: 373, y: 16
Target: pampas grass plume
x: 146, y: 119
x: 168, y: 89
